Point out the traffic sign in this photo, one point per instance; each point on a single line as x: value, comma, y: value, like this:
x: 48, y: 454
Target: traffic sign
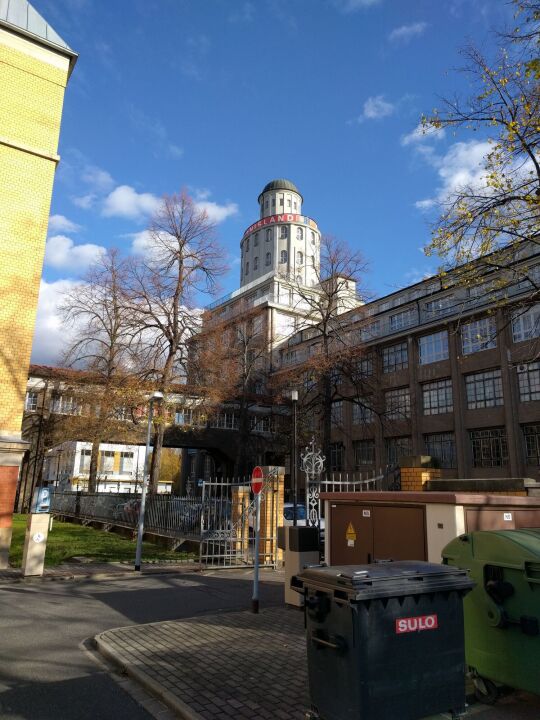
x: 257, y: 480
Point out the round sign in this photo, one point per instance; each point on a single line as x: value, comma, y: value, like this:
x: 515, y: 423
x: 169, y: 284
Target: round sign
x: 38, y: 537
x: 257, y: 480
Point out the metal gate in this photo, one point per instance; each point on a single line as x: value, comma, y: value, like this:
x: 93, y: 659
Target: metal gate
x: 228, y: 523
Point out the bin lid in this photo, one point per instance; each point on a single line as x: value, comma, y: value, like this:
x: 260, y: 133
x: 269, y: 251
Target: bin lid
x: 382, y: 580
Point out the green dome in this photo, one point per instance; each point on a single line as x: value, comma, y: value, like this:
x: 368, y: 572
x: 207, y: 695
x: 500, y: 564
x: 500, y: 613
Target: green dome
x: 280, y: 184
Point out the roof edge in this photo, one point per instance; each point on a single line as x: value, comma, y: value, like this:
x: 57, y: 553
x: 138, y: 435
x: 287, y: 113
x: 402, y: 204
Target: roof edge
x: 63, y: 50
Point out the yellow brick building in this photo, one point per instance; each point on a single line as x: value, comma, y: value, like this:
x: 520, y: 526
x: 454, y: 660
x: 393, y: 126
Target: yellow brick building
x: 35, y: 65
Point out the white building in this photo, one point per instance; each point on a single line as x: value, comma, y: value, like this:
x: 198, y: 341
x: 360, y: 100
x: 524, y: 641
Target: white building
x: 120, y: 467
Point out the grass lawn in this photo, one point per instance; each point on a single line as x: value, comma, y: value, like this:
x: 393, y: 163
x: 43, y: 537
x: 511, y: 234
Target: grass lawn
x: 67, y: 540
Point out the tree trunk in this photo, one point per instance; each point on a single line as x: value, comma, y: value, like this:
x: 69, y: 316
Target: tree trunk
x: 92, y: 475
x: 156, y: 458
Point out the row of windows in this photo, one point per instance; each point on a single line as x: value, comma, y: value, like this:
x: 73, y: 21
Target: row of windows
x: 483, y: 390
x: 283, y: 235
x: 106, y: 462
x: 489, y: 448
x: 283, y: 258
x: 282, y: 203
x: 476, y: 336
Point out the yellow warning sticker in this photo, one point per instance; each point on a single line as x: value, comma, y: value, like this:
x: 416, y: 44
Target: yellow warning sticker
x: 351, y: 533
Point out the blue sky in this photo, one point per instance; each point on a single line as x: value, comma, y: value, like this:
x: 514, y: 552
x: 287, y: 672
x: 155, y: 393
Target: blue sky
x: 221, y: 96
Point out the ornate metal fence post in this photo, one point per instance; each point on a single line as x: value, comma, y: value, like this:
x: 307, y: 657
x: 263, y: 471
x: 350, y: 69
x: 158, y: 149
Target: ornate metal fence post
x: 312, y: 463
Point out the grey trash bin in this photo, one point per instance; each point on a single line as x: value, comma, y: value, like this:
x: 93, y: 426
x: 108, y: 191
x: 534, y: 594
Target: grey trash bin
x: 384, y: 640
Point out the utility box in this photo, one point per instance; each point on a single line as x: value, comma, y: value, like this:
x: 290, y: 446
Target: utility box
x: 300, y: 547
x: 384, y: 640
x: 41, y: 500
x: 502, y: 613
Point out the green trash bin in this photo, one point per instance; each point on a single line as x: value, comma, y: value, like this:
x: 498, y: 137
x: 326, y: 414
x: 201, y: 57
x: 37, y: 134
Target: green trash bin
x: 502, y: 613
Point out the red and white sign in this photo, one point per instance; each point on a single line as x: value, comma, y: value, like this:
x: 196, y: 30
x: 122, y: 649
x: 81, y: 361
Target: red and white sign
x: 416, y: 624
x: 282, y: 218
x: 257, y: 480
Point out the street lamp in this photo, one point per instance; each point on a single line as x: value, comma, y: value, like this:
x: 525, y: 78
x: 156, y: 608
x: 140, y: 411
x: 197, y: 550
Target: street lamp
x: 294, y: 463
x: 140, y: 530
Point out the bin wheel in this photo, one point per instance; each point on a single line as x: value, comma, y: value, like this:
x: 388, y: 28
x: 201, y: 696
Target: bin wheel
x: 485, y: 691
x: 310, y: 715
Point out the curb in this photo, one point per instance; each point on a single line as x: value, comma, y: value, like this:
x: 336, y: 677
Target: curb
x: 99, y: 575
x: 152, y: 686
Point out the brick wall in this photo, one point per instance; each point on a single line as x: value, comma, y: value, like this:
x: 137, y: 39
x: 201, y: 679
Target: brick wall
x: 32, y: 84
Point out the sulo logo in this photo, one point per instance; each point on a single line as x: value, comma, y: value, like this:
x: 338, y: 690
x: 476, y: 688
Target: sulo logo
x: 416, y: 624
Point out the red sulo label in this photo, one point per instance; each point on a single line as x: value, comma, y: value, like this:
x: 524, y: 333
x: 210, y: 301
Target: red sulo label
x: 416, y: 624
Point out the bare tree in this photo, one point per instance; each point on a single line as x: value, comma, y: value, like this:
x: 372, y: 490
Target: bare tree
x: 230, y: 359
x: 102, y: 402
x: 181, y: 263
x: 334, y: 367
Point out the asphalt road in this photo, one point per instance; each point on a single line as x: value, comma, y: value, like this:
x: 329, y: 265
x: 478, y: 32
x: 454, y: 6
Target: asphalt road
x: 45, y: 673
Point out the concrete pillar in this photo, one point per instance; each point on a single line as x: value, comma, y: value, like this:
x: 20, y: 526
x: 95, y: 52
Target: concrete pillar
x: 272, y: 514
x: 416, y: 471
x: 35, y: 544
x: 460, y: 432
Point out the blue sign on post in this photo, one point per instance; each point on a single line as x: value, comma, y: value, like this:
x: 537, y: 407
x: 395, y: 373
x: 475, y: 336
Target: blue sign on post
x: 41, y: 501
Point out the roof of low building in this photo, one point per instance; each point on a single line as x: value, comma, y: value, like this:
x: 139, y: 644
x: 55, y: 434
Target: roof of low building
x: 24, y: 18
x: 280, y: 184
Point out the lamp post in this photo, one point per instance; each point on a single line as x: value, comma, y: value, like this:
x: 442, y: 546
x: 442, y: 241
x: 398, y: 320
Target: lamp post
x: 140, y: 530
x: 294, y: 463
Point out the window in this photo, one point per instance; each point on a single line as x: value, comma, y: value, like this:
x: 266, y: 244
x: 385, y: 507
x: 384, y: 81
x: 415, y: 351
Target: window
x: 313, y: 238
x: 299, y: 233
x: 106, y: 464
x: 283, y: 232
x: 364, y: 453
x: 403, y: 320
x: 437, y: 397
x: 126, y: 463
x: 443, y: 447
x: 363, y: 368
x: 299, y: 258
x: 31, y: 401
x: 247, y: 244
x: 84, y: 464
x: 433, y: 348
x: 336, y: 377
x: 295, y: 205
x: 255, y: 263
x: 65, y: 405
x: 262, y: 423
x: 281, y: 202
x: 441, y: 306
x: 396, y: 448
x: 309, y: 381
x: 361, y: 412
x: 273, y: 202
x: 247, y: 268
x: 531, y: 434
x: 299, y: 279
x: 395, y: 358
x: 526, y: 325
x: 256, y: 240
x: 266, y: 203
x: 268, y: 235
x: 529, y: 381
x: 479, y: 335
x: 398, y: 404
x: 489, y: 447
x: 283, y: 256
x: 336, y: 456
x: 484, y: 389
x: 337, y: 413
x: 268, y: 259
x: 226, y: 420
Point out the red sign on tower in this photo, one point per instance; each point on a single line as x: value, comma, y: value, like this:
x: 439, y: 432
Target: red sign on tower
x: 257, y: 480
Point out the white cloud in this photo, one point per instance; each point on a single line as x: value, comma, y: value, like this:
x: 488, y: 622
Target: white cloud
x: 85, y: 201
x: 176, y: 150
x: 62, y: 253
x: 125, y: 201
x: 422, y: 134
x: 97, y: 178
x: 50, y: 334
x: 60, y: 223
x: 375, y: 108
x: 140, y: 242
x: 405, y: 33
x: 462, y: 166
x: 349, y: 6
x: 217, y: 213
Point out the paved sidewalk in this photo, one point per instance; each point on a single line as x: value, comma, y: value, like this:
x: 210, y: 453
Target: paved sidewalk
x: 237, y: 665
x: 97, y: 571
